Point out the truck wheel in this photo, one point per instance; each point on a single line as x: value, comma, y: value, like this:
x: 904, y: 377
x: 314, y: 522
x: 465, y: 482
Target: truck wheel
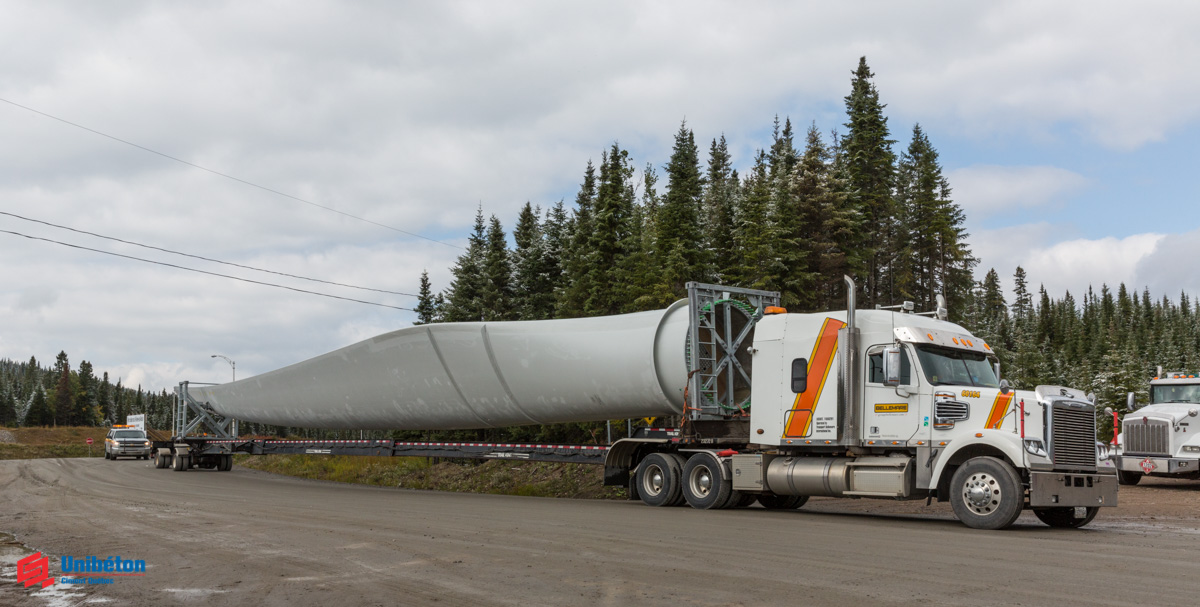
x: 745, y: 500
x: 226, y: 463
x: 180, y: 462
x: 986, y: 493
x: 160, y: 460
x: 658, y: 479
x: 703, y: 487
x: 1065, y: 517
x: 1128, y: 478
x: 770, y: 501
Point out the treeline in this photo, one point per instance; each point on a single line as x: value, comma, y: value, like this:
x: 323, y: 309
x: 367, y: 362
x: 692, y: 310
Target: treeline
x: 805, y: 214
x: 1106, y: 343
x: 31, y: 395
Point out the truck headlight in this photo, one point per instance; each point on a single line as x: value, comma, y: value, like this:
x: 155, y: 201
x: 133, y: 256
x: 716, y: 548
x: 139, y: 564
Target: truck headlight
x: 1191, y: 448
x: 1035, y: 447
x: 1101, y: 451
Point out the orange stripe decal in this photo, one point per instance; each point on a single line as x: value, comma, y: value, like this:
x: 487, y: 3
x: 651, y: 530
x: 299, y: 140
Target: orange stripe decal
x: 999, y: 410
x: 799, y: 418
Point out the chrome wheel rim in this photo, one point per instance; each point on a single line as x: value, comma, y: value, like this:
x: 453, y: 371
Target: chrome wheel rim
x: 701, y: 481
x: 981, y: 493
x: 653, y: 480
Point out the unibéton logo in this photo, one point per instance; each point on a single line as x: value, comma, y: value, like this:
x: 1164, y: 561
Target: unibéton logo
x: 34, y: 569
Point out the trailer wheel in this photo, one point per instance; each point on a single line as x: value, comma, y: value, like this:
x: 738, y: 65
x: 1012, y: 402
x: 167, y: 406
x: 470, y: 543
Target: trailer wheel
x: 226, y: 463
x: 986, y: 493
x: 160, y: 460
x: 658, y: 478
x: 1065, y: 517
x: 180, y: 462
x: 703, y: 487
x: 770, y: 501
x: 1128, y: 478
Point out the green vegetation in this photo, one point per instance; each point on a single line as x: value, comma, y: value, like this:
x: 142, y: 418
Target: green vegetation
x: 537, y: 479
x: 34, y: 443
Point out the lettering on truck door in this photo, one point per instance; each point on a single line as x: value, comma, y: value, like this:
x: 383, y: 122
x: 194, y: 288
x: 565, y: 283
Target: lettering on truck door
x: 888, y: 415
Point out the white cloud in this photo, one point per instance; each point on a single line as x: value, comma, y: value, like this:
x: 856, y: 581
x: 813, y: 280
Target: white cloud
x: 984, y: 190
x: 1065, y: 265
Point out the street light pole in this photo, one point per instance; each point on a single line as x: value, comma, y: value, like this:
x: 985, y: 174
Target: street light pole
x: 232, y: 365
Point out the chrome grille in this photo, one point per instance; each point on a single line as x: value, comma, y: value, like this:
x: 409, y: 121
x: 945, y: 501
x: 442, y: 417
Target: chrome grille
x: 1151, y: 437
x: 951, y: 410
x: 1072, y: 435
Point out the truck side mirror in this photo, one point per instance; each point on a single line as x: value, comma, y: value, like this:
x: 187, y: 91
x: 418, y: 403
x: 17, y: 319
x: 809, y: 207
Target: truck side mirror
x: 799, y: 375
x: 891, y: 366
x: 1005, y: 387
x: 1130, y: 402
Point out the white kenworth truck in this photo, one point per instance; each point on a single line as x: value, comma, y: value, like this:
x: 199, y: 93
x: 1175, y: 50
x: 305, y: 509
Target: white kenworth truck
x: 1163, y: 437
x: 878, y: 403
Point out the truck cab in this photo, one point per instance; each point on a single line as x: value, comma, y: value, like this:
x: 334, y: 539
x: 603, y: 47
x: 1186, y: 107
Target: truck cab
x: 1162, y: 438
x: 126, y: 440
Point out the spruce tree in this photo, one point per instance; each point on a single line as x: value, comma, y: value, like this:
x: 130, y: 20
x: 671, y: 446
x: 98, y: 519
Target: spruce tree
x: 496, y: 295
x: 720, y: 193
x: 8, y: 409
x: 577, y: 257
x: 679, y: 237
x: 869, y: 166
x: 464, y: 295
x: 932, y: 256
x: 427, y: 311
x: 64, y: 397
x: 612, y: 235
x: 39, y: 413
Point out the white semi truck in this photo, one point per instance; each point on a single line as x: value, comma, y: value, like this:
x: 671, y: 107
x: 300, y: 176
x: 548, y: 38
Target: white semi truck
x: 772, y: 407
x: 1161, y: 438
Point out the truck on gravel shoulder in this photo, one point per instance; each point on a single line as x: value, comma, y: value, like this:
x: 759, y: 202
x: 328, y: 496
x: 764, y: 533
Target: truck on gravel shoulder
x: 1162, y: 438
x: 772, y: 407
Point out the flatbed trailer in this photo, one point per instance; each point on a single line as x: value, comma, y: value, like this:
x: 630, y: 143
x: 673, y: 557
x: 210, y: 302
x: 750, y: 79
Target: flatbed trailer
x: 882, y: 404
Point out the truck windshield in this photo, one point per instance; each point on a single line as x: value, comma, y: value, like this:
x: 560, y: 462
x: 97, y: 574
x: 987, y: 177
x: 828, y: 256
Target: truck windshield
x: 1183, y: 393
x: 129, y: 434
x: 948, y: 366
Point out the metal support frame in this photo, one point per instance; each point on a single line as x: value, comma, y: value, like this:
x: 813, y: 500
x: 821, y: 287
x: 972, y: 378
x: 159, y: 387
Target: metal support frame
x: 710, y: 360
x: 201, y: 414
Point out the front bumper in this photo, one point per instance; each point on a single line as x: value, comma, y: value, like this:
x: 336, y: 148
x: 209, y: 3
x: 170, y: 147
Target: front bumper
x: 1054, y: 489
x: 131, y: 450
x: 1158, y: 464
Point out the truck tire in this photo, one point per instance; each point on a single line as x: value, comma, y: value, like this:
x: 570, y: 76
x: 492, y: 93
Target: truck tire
x: 658, y: 478
x: 703, y: 487
x: 226, y: 463
x: 770, y: 501
x: 745, y: 500
x: 160, y: 460
x: 1128, y: 478
x: 986, y: 493
x: 1064, y: 517
x: 179, y: 462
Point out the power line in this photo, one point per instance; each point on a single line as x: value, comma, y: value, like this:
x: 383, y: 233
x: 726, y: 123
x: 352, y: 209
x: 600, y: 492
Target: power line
x: 225, y: 175
x: 228, y: 263
x: 171, y: 265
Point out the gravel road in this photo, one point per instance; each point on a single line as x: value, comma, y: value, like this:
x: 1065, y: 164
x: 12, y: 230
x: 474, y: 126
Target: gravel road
x: 251, y: 538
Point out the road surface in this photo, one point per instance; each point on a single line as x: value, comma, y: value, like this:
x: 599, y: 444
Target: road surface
x: 251, y: 538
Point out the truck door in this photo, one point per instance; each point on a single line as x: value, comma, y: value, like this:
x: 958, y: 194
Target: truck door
x: 888, y: 414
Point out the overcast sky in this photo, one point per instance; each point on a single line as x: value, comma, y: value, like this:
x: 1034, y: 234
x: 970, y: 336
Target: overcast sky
x: 1067, y: 132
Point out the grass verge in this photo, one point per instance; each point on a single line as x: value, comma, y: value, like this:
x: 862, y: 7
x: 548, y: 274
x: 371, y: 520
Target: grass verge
x: 538, y: 479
